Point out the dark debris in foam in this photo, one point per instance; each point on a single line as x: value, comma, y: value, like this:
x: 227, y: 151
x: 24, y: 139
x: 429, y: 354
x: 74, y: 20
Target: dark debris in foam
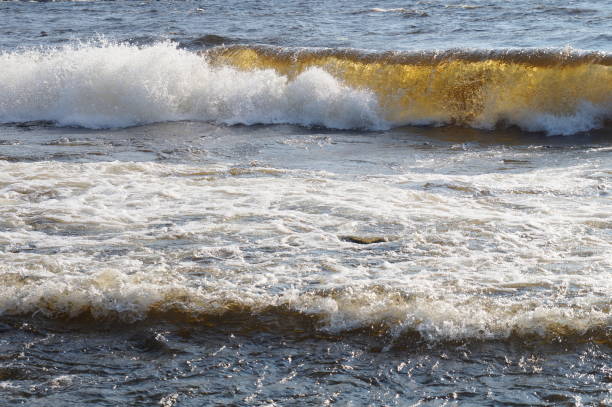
x: 29, y: 125
x: 366, y: 239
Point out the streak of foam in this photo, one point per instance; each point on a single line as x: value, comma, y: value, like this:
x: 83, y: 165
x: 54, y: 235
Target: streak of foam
x: 401, y: 10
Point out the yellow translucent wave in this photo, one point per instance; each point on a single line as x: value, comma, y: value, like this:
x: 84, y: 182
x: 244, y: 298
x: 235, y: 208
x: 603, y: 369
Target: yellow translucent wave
x: 456, y: 87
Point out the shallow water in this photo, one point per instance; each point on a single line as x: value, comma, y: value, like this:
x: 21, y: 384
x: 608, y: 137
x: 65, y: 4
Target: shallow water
x: 222, y: 218
x: 195, y: 365
x: 476, y: 266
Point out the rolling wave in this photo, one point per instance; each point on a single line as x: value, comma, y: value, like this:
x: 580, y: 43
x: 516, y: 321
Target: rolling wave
x: 557, y: 92
x: 376, y: 310
x: 117, y: 85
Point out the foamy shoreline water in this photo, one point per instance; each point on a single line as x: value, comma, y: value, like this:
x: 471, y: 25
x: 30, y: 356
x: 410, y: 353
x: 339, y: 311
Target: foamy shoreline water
x: 498, y: 271
x: 196, y: 251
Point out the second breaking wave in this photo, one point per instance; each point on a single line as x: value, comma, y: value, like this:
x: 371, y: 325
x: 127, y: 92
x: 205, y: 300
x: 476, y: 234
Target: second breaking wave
x: 118, y: 85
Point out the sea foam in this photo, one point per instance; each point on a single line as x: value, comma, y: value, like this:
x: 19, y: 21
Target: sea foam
x: 132, y: 241
x: 118, y: 85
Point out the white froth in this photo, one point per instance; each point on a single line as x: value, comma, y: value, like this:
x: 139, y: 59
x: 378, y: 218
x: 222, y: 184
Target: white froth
x: 586, y: 116
x: 120, y: 85
x: 532, y: 255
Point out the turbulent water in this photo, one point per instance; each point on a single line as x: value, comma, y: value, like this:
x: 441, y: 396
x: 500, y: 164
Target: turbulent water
x: 246, y: 203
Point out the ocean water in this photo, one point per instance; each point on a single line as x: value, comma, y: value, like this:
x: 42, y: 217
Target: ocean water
x: 306, y: 203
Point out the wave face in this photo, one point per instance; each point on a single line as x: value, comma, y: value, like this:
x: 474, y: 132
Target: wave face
x: 132, y: 295
x: 557, y: 92
x: 118, y: 85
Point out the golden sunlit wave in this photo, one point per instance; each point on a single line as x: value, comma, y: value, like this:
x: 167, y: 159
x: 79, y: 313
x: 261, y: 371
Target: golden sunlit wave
x: 476, y: 88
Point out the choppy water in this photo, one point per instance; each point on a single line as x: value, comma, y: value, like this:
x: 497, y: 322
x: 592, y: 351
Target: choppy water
x: 305, y: 203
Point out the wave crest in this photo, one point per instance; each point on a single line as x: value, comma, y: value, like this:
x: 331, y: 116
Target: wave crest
x: 119, y: 85
x: 557, y: 92
x: 379, y: 310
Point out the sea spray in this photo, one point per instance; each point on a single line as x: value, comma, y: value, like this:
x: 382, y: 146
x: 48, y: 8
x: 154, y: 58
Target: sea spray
x: 120, y: 85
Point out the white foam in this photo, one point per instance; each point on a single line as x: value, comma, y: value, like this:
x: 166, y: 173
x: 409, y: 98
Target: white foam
x: 530, y: 257
x: 115, y: 85
x: 390, y: 10
x: 586, y: 116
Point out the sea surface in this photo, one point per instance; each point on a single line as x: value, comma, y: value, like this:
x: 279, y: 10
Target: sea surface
x: 306, y: 203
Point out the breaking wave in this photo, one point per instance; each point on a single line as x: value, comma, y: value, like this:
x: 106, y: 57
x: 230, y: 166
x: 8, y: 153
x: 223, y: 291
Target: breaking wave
x: 116, y: 85
x: 557, y: 92
x: 113, y: 295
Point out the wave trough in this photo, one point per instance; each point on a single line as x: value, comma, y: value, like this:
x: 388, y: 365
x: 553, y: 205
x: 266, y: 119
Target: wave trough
x: 119, y: 85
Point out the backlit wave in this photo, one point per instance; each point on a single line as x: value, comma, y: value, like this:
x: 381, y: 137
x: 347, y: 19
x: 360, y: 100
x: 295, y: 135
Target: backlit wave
x: 107, y: 85
x: 554, y: 91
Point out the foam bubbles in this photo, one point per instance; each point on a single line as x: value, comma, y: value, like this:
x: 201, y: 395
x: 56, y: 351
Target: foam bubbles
x: 587, y: 116
x: 132, y: 240
x: 118, y: 85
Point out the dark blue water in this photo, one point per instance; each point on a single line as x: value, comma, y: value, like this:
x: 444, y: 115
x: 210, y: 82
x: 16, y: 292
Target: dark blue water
x: 390, y: 25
